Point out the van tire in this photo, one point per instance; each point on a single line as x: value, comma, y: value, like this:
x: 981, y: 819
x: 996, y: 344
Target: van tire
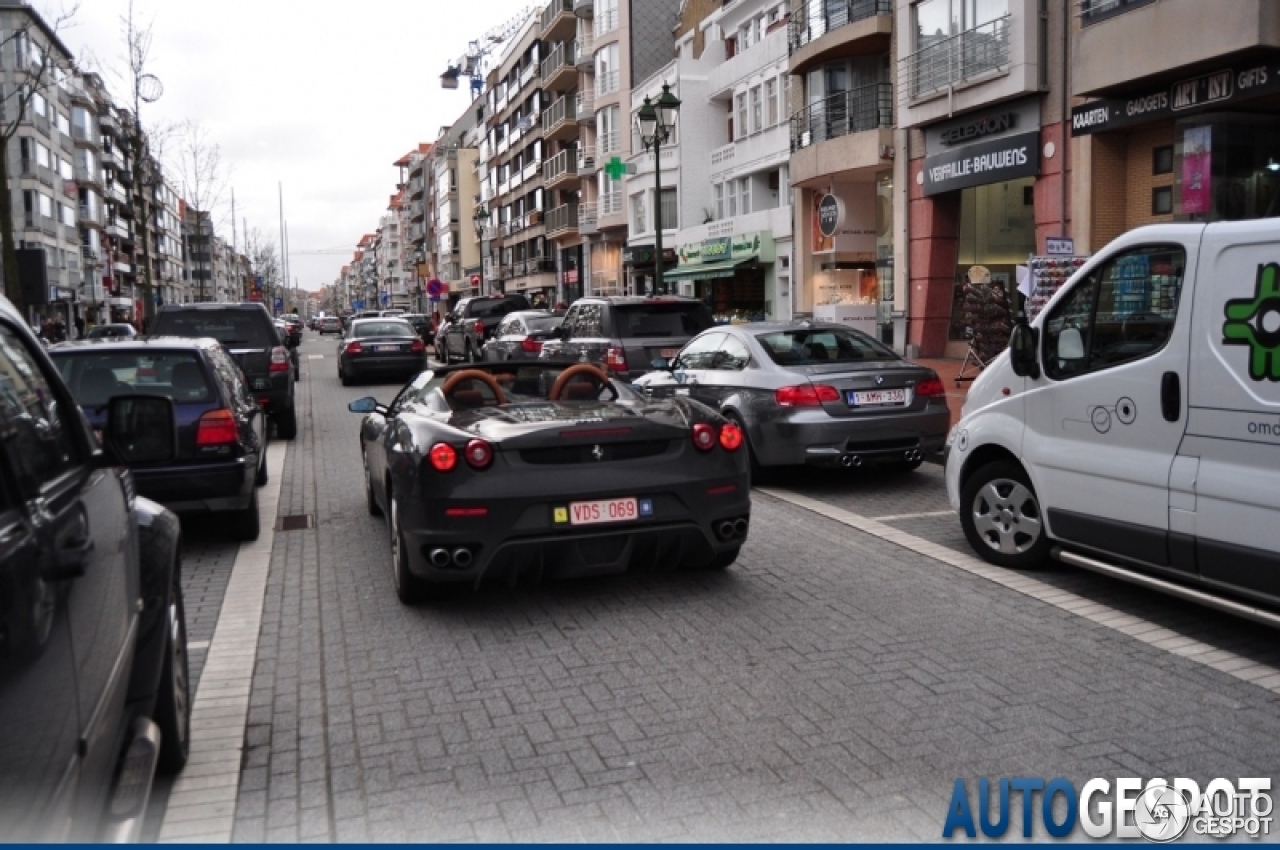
x: 1001, y: 516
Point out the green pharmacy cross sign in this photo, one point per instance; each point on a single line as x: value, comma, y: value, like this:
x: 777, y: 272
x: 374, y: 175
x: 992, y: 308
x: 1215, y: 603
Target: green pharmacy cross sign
x: 1247, y: 324
x: 615, y: 168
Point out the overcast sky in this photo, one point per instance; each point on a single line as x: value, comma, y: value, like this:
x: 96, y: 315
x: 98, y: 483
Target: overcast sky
x: 322, y: 97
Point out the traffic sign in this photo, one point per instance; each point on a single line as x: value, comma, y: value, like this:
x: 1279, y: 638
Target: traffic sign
x: 435, y: 288
x: 357, y: 304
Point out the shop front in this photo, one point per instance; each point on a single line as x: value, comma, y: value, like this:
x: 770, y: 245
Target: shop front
x: 571, y: 274
x: 975, y: 218
x: 638, y: 263
x: 734, y: 275
x: 851, y: 255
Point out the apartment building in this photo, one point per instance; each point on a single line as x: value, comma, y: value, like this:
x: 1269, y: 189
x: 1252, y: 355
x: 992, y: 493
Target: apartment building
x: 453, y: 191
x: 734, y: 244
x: 1184, y: 134
x: 982, y: 89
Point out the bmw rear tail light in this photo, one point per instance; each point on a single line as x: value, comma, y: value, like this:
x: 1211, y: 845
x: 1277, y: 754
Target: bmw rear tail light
x: 353, y: 348
x: 931, y: 388
x: 217, y: 428
x: 704, y: 437
x: 531, y: 345
x: 730, y: 437
x: 479, y: 454
x: 616, y: 360
x: 280, y: 359
x: 418, y: 346
x: 443, y: 458
x: 805, y: 395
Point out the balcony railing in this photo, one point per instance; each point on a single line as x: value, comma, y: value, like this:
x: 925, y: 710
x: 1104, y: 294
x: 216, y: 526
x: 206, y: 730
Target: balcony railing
x: 957, y: 59
x: 855, y: 111
x: 812, y: 19
x: 562, y: 58
x: 586, y: 48
x: 562, y: 219
x: 588, y: 216
x: 586, y: 106
x: 608, y: 82
x: 608, y: 145
x: 606, y: 21
x: 564, y: 110
x: 555, y: 9
x: 560, y: 166
x: 611, y: 204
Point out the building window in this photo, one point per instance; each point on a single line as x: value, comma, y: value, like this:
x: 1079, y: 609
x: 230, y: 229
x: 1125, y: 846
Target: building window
x: 939, y: 60
x: 1092, y: 11
x: 717, y: 192
x: 637, y: 213
x: 742, y: 125
x: 1162, y: 160
x: 670, y: 209
x: 1162, y: 200
x: 771, y: 101
x: 744, y: 195
x: 757, y: 110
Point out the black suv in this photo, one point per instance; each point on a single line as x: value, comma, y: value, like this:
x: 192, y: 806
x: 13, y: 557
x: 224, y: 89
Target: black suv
x: 626, y: 334
x: 94, y: 694
x: 249, y: 335
x: 472, y: 322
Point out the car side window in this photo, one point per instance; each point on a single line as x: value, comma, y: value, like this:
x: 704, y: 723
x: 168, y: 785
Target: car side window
x: 733, y: 355
x: 39, y: 435
x: 590, y: 321
x: 700, y: 353
x: 230, y: 373
x: 570, y: 320
x: 1120, y: 313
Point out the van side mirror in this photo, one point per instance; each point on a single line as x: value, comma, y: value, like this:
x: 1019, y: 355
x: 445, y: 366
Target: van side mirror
x: 141, y: 428
x: 1024, y: 342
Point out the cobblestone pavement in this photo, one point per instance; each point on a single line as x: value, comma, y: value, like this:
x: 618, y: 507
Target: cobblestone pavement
x: 830, y: 686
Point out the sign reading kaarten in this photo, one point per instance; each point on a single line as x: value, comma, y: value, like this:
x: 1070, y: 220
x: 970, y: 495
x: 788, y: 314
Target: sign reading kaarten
x: 978, y: 164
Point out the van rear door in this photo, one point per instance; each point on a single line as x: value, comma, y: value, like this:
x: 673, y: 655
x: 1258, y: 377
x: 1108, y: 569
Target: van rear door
x: 1234, y: 407
x: 1101, y: 435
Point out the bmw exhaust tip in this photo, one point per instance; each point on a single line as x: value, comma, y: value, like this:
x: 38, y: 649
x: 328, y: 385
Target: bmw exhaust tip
x: 439, y: 558
x: 724, y: 529
x: 462, y: 557
x: 739, y: 528
x: 850, y: 461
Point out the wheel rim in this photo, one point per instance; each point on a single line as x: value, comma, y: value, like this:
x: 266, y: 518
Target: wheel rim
x: 1006, y: 516
x: 178, y: 644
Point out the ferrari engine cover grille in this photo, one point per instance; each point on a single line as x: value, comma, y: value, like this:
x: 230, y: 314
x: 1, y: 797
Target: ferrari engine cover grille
x: 595, y: 453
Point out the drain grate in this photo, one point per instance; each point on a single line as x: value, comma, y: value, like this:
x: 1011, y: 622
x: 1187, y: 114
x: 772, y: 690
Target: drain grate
x: 296, y: 522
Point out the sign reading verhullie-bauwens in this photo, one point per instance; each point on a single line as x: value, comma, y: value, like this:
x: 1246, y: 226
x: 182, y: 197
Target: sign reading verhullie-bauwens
x: 995, y: 161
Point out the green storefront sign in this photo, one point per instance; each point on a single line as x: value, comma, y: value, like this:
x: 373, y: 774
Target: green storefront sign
x: 742, y: 248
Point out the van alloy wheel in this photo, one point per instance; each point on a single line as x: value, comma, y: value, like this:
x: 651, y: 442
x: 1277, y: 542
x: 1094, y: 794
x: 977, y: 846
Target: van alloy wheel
x: 1002, y: 517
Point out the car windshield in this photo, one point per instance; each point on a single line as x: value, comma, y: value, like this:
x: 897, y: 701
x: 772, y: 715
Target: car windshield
x: 232, y: 328
x: 103, y: 331
x: 659, y: 320
x: 95, y: 377
x: 819, y: 346
x: 365, y: 330
x: 482, y: 308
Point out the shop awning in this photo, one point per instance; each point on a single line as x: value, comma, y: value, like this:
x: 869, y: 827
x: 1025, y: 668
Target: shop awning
x: 703, y: 271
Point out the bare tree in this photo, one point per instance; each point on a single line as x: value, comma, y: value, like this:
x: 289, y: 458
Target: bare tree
x: 201, y: 183
x: 38, y: 71
x: 265, y: 259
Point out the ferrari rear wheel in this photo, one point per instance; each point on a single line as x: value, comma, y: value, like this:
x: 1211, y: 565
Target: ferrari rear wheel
x: 757, y: 471
x: 409, y: 588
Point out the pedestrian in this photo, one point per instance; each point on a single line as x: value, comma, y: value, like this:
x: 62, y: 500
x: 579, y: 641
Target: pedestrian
x: 59, y: 330
x: 79, y: 326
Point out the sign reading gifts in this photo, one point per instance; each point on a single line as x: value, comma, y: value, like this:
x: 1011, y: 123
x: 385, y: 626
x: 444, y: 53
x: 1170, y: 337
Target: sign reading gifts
x: 741, y: 248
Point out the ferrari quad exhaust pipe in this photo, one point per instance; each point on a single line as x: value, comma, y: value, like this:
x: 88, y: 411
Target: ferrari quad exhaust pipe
x: 462, y: 557
x: 850, y: 461
x: 724, y: 529
x: 739, y: 528
x: 439, y: 558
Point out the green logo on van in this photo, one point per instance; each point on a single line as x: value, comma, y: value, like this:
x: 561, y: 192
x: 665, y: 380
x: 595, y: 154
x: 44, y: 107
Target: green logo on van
x: 1255, y: 322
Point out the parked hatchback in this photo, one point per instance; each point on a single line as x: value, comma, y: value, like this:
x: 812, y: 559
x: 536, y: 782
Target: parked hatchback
x: 249, y: 336
x: 521, y: 336
x: 626, y: 334
x: 221, y: 452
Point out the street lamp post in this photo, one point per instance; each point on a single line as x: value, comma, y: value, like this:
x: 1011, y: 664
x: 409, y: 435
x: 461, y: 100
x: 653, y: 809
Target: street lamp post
x: 657, y: 121
x: 481, y: 219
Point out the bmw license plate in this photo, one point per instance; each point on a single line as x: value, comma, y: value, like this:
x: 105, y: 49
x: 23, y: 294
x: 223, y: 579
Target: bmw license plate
x: 872, y: 398
x: 609, y: 510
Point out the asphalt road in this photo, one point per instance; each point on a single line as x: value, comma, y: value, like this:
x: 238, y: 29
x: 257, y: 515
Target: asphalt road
x: 832, y: 685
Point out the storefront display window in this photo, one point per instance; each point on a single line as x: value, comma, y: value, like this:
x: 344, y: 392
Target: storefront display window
x: 997, y: 232
x: 1227, y: 170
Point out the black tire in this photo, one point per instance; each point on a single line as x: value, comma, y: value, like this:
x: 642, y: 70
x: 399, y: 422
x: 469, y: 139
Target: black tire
x: 409, y: 588
x: 1001, y: 517
x: 263, y: 473
x: 371, y: 501
x: 245, y: 523
x: 722, y: 561
x: 342, y: 376
x: 173, y: 701
x: 758, y: 473
x: 287, y: 424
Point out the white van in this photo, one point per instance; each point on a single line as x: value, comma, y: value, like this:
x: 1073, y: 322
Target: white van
x: 1134, y: 427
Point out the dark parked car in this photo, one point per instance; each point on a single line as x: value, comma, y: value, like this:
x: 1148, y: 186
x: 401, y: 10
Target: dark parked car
x: 94, y: 694
x: 421, y: 325
x: 472, y: 322
x: 250, y: 337
x: 113, y: 331
x: 811, y: 393
x: 328, y: 325
x: 293, y: 325
x: 626, y: 334
x: 221, y: 456
x: 380, y: 347
x: 520, y: 336
x: 519, y: 471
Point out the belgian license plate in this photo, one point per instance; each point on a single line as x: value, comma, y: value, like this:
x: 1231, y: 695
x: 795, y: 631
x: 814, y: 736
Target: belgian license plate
x: 386, y: 348
x: 261, y: 383
x: 608, y: 510
x: 869, y: 398
x: 669, y: 352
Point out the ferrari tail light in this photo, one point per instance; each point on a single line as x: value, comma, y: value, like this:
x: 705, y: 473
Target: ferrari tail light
x: 443, y: 458
x: 217, y: 428
x: 280, y: 359
x: 805, y: 395
x: 479, y: 454
x: 353, y: 348
x: 704, y: 437
x: 616, y: 359
x: 418, y: 346
x: 531, y: 345
x: 931, y: 388
x: 730, y: 437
